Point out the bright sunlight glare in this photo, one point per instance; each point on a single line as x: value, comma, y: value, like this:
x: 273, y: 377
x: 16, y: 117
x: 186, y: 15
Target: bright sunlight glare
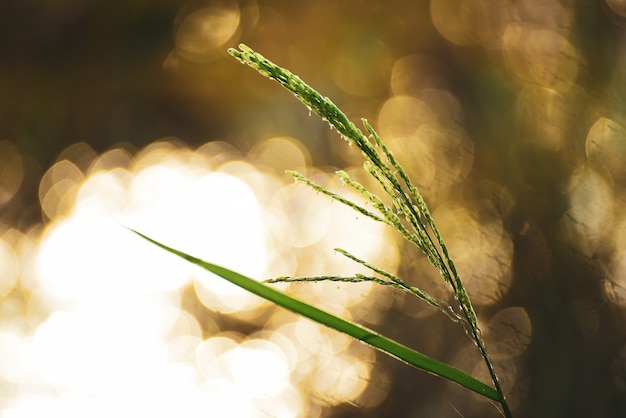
x: 115, y: 326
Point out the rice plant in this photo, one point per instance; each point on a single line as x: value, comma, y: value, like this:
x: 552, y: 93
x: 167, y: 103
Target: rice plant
x: 407, y: 213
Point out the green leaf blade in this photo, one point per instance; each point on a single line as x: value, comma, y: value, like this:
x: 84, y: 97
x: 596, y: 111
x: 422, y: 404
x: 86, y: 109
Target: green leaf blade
x: 372, y: 338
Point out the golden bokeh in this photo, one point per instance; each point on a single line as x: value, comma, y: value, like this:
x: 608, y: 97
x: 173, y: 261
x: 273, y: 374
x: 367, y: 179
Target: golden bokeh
x: 309, y: 221
x: 542, y: 114
x: 585, y: 225
x: 10, y: 269
x: 541, y: 56
x: 280, y: 154
x: 615, y: 284
x: 509, y: 116
x: 472, y: 22
x: 606, y: 149
x: 93, y: 282
x: 11, y: 171
x: 508, y: 335
x: 414, y: 73
x: 58, y: 188
x: 483, y: 251
x: 398, y: 120
x: 202, y: 33
x: 423, y: 124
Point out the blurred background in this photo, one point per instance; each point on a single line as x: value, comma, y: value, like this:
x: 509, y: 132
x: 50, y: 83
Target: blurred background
x: 510, y: 116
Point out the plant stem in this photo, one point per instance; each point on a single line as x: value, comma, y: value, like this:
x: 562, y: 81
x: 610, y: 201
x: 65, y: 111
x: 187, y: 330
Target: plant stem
x: 394, y: 180
x: 367, y: 336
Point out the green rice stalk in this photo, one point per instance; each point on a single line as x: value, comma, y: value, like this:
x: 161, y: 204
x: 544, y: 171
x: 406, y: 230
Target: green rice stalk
x: 405, y: 196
